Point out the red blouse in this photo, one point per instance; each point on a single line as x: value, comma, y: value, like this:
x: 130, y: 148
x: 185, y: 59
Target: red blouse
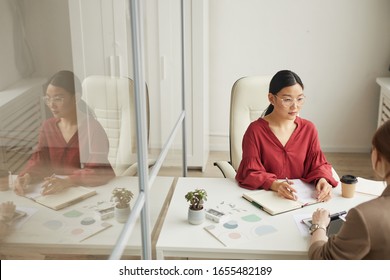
x: 264, y: 159
x: 54, y: 155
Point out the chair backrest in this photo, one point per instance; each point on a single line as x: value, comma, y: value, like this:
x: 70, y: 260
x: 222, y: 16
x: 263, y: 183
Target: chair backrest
x: 249, y: 99
x: 112, y: 101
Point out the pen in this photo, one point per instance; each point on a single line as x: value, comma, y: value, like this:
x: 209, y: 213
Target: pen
x: 290, y: 189
x: 51, y: 177
x: 335, y: 216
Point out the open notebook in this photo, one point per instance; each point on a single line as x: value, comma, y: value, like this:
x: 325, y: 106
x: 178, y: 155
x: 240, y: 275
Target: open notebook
x: 273, y: 204
x: 60, y: 200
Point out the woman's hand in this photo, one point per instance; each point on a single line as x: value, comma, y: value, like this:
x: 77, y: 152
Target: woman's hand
x: 324, y: 190
x: 284, y: 189
x: 321, y: 217
x: 7, y: 210
x: 21, y: 184
x: 55, y: 185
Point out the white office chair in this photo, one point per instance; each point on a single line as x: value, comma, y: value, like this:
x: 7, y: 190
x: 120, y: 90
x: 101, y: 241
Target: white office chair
x: 112, y: 101
x: 249, y: 99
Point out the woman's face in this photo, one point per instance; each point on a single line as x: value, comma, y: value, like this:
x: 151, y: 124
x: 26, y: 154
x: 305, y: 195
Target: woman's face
x: 60, y: 102
x: 288, y: 102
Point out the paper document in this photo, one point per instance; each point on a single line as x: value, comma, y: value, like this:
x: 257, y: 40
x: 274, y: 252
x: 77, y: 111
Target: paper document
x: 370, y: 186
x: 240, y: 228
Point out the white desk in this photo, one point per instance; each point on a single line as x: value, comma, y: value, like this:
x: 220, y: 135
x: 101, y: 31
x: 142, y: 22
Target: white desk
x: 32, y: 237
x: 180, y: 239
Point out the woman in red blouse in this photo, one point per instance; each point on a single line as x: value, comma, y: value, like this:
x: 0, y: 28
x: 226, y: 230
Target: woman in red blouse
x: 282, y: 145
x: 72, y: 143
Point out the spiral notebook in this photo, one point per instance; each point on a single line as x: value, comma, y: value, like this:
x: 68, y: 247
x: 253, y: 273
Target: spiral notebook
x: 273, y: 204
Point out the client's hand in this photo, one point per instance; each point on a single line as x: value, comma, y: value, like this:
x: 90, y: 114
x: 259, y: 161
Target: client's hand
x: 7, y: 210
x: 55, y: 185
x: 21, y: 184
x: 321, y: 217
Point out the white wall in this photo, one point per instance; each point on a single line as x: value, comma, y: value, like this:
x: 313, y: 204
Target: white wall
x: 338, y: 47
x: 48, y: 33
x: 8, y: 71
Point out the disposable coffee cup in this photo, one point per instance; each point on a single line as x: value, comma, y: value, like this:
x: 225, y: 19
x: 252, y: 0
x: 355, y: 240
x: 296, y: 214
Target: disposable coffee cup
x: 4, y: 183
x: 348, y: 185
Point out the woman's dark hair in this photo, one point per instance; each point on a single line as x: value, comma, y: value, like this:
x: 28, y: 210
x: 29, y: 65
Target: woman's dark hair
x: 380, y: 141
x: 71, y: 83
x: 67, y: 80
x: 282, y: 79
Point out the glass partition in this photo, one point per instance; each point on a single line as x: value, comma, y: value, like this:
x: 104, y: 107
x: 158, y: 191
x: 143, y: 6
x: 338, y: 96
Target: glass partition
x: 92, y: 119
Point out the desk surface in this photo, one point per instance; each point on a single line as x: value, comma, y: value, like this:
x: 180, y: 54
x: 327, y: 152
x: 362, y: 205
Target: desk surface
x: 180, y: 239
x: 34, y: 236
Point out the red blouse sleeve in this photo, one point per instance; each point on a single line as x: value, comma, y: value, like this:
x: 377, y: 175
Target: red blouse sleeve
x: 316, y: 165
x: 251, y: 173
x: 36, y: 166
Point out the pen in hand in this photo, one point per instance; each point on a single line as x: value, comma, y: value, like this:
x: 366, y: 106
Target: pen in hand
x: 50, y: 178
x: 290, y: 190
x: 48, y: 186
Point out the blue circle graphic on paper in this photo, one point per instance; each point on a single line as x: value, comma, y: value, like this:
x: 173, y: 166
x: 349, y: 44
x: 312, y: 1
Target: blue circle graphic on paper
x: 264, y: 229
x: 53, y: 224
x: 231, y: 224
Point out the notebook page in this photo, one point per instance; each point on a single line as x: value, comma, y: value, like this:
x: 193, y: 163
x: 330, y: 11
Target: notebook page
x: 65, y: 198
x: 272, y: 202
x: 306, y: 193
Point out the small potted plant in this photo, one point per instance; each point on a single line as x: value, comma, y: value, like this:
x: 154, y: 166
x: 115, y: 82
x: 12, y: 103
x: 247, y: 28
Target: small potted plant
x: 196, y: 212
x: 122, y: 198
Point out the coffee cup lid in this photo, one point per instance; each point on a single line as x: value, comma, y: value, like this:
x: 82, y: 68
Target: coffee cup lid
x: 348, y: 179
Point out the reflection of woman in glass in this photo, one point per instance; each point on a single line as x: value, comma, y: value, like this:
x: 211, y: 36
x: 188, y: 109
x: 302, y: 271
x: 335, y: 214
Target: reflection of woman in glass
x: 62, y: 139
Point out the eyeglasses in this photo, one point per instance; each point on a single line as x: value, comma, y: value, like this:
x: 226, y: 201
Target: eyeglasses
x: 288, y: 101
x: 56, y: 100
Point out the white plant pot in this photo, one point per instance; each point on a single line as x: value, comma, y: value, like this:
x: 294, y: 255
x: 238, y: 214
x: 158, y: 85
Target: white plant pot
x: 122, y: 214
x: 196, y: 217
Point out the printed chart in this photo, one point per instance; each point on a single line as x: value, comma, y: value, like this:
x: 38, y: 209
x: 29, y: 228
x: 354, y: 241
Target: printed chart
x: 241, y: 226
x: 76, y: 224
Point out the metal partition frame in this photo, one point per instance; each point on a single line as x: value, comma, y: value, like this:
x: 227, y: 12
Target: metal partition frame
x: 141, y: 207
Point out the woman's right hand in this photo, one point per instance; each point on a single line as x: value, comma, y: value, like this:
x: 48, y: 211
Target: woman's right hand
x: 284, y: 189
x: 21, y: 183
